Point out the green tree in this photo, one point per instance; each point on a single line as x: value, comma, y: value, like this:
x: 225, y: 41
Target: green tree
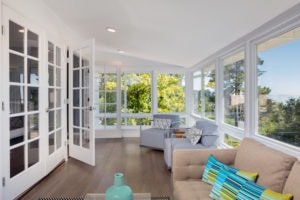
x: 171, y: 96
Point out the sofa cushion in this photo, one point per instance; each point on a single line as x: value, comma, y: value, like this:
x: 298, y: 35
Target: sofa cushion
x: 208, y: 127
x: 272, y: 166
x: 191, y: 190
x: 293, y: 182
x: 208, y: 140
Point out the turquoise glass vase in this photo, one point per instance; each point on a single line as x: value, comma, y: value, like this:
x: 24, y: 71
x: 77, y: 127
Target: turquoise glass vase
x: 119, y: 191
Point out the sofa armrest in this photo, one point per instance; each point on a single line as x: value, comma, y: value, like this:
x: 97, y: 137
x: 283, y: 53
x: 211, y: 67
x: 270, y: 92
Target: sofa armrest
x: 190, y: 164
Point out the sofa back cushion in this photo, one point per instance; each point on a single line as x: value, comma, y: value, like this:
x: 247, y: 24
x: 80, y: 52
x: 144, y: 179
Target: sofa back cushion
x: 208, y: 127
x: 272, y: 166
x: 293, y: 182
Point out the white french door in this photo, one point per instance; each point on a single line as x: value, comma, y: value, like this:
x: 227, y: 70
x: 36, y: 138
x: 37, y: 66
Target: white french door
x: 56, y: 107
x: 33, y: 89
x: 81, y: 110
x: 22, y: 139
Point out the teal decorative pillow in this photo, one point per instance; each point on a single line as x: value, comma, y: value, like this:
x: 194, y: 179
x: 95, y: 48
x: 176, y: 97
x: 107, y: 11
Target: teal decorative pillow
x: 253, y: 191
x: 227, y: 185
x: 213, y: 166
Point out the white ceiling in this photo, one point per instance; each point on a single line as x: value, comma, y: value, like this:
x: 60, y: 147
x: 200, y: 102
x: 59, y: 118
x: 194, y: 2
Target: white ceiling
x: 175, y: 32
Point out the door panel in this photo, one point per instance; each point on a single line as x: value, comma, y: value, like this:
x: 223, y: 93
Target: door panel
x: 56, y: 151
x: 82, y: 133
x: 22, y: 130
x: 33, y: 121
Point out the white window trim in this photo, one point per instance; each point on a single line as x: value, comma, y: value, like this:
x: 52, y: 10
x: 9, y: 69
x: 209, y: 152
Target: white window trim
x: 281, y: 24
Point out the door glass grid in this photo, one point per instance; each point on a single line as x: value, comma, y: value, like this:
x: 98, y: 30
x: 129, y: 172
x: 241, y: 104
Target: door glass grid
x: 81, y: 99
x: 54, y: 98
x: 23, y: 86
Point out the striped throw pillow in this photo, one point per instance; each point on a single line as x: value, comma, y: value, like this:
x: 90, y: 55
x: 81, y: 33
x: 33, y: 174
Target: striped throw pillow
x: 254, y: 191
x: 227, y: 185
x: 213, y: 166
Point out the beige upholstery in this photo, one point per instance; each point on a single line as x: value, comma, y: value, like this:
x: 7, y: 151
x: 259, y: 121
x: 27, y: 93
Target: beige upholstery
x: 190, y: 164
x: 292, y: 184
x: 272, y: 166
x: 277, y: 171
x: 186, y: 190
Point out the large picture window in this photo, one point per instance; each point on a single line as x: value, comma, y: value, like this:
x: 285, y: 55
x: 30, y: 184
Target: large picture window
x: 278, y: 69
x: 171, y: 93
x: 234, y: 89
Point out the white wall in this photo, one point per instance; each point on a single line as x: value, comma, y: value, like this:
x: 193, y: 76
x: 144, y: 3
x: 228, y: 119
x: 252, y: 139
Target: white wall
x: 37, y: 12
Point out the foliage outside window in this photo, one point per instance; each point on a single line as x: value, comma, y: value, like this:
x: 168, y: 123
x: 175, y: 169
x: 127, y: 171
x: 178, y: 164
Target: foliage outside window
x: 136, y: 98
x: 107, y: 99
x: 234, y: 90
x: 231, y: 141
x: 278, y: 70
x: 171, y: 93
x: 204, y: 92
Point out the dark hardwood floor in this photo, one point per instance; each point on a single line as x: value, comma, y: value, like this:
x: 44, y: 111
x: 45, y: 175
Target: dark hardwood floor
x: 144, y: 171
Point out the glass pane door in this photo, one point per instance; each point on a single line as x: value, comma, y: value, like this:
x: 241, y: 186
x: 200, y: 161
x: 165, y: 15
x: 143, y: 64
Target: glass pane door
x: 22, y: 132
x: 56, y: 88
x: 82, y: 134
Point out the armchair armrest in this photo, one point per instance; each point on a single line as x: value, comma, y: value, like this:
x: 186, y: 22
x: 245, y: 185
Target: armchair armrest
x: 190, y: 163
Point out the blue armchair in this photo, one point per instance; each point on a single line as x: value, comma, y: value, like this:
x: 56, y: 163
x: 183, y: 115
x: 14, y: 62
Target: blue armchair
x: 154, y: 137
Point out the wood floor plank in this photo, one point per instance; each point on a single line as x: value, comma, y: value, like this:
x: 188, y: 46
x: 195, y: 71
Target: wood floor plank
x: 144, y: 171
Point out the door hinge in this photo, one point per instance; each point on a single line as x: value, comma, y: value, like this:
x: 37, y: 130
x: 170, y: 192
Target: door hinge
x: 2, y: 104
x: 3, y: 181
x: 2, y: 30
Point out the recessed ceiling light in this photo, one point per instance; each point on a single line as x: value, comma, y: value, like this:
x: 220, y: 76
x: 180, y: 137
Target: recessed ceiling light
x: 21, y: 30
x: 120, y: 51
x: 112, y: 30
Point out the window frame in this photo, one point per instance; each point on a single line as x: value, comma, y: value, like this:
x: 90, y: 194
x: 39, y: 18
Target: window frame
x: 271, y: 33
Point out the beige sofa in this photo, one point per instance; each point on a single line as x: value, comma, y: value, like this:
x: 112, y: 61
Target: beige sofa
x: 277, y: 171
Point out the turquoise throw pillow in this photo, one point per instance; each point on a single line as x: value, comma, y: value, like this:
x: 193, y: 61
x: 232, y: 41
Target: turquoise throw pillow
x: 227, y: 185
x: 253, y: 191
x: 213, y: 166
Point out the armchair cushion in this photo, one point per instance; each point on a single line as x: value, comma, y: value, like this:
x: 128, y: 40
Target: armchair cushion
x: 208, y: 127
x: 208, y: 140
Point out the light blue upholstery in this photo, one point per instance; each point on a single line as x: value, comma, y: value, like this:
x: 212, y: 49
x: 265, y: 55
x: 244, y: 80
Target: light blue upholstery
x: 154, y: 137
x: 207, y: 141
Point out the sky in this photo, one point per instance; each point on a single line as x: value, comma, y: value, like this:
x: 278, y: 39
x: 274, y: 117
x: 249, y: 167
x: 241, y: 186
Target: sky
x: 282, y: 66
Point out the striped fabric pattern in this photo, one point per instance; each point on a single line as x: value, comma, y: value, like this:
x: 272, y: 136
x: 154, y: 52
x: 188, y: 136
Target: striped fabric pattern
x: 227, y: 185
x: 271, y: 195
x: 253, y: 191
x: 213, y: 166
